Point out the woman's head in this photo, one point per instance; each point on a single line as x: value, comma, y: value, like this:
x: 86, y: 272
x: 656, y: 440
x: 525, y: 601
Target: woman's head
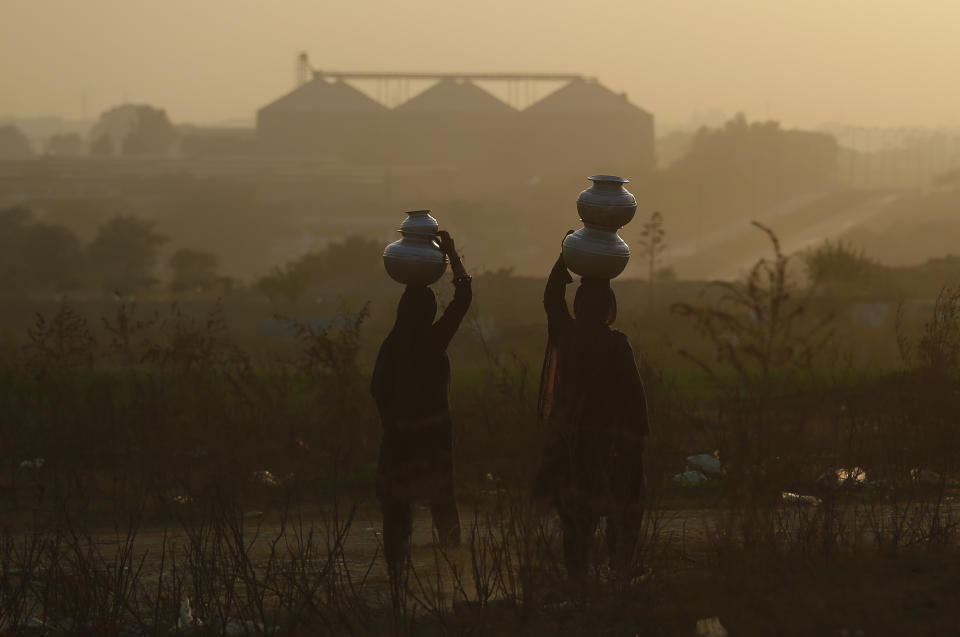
x: 417, y: 308
x: 595, y: 303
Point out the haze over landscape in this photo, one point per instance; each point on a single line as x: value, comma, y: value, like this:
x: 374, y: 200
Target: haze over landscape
x: 229, y: 391
x: 801, y: 62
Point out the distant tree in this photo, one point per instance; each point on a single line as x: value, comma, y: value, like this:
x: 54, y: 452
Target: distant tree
x: 354, y: 258
x: 286, y: 284
x: 64, y: 144
x: 665, y: 275
x: 123, y: 255
x: 53, y: 259
x: 152, y: 133
x: 37, y: 258
x: 741, y: 169
x: 13, y: 143
x: 115, y: 123
x: 14, y: 225
x: 652, y: 244
x: 136, y: 129
x: 102, y: 146
x: 193, y: 271
x: 834, y: 263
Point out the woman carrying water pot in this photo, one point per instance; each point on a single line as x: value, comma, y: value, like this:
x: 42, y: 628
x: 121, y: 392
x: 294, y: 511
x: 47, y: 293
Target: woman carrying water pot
x: 593, y: 407
x: 410, y: 382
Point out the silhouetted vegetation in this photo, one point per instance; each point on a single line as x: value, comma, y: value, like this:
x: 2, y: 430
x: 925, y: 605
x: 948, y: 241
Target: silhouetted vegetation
x: 64, y: 145
x: 13, y: 143
x: 134, y: 129
x: 243, y: 480
x: 37, y: 259
x: 123, y: 254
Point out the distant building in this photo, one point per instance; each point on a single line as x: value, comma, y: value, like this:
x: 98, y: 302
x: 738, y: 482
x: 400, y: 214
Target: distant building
x: 581, y: 128
x: 323, y: 118
x: 584, y: 128
x: 452, y: 122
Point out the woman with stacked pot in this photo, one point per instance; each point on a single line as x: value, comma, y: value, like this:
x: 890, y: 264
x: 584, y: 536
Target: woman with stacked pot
x: 410, y: 383
x: 592, y: 401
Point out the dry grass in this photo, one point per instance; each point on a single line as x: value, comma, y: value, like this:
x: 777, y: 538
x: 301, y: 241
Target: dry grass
x: 161, y: 439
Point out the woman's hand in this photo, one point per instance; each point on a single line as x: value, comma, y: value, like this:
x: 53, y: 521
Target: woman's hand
x: 446, y: 243
x: 450, y: 249
x: 560, y: 258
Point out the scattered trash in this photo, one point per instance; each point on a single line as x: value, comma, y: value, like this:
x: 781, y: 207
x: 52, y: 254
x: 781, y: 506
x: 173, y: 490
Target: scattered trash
x: 36, y: 463
x: 249, y: 515
x: 838, y: 478
x: 708, y: 464
x: 796, y: 498
x: 181, y: 499
x: 929, y: 478
x: 689, y: 477
x: 853, y: 474
x: 710, y: 627
x: 266, y: 477
x: 186, y: 619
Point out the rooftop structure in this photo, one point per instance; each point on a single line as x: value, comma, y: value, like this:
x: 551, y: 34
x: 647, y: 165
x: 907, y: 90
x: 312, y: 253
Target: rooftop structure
x: 581, y: 127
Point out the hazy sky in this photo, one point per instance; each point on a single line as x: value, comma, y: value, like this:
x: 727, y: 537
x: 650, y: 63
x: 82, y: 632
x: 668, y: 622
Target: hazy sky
x: 803, y: 62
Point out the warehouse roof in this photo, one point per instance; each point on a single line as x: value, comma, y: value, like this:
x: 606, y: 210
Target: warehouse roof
x: 453, y: 96
x: 321, y: 95
x: 584, y: 96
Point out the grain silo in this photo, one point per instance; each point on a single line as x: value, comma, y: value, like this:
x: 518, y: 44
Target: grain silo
x: 323, y: 118
x: 584, y: 128
x: 453, y: 124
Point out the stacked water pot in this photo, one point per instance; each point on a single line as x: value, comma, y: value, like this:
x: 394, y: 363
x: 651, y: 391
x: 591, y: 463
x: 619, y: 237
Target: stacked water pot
x: 416, y: 258
x: 596, y: 251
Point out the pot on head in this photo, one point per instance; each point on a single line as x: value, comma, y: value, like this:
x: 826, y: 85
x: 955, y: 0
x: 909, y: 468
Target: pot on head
x: 596, y: 250
x: 416, y: 258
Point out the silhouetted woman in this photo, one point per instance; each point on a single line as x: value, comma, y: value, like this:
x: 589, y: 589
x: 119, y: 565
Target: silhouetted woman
x: 593, y: 405
x: 410, y: 383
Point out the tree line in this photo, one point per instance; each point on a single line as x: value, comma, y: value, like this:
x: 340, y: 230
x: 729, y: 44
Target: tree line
x: 41, y: 259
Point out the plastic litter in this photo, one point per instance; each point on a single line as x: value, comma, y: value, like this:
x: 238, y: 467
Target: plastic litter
x: 186, y: 619
x: 796, y: 498
x: 266, y: 477
x: 36, y: 463
x: 843, y: 477
x: 708, y: 464
x: 929, y: 478
x: 232, y: 626
x: 690, y: 477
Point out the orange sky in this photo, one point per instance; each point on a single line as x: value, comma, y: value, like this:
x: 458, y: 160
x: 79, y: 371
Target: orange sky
x: 803, y: 62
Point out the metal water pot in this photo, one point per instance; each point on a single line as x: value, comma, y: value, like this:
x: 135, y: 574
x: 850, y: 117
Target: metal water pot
x: 416, y: 258
x: 596, y: 250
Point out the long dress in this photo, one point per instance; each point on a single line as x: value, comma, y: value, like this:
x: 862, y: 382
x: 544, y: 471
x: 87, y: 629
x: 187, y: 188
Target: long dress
x: 594, y: 409
x: 410, y: 385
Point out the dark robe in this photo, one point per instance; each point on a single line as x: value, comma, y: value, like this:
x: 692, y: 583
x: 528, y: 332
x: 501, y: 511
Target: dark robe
x: 410, y: 385
x: 593, y: 406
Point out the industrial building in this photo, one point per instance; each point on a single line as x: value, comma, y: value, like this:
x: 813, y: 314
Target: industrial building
x: 579, y: 128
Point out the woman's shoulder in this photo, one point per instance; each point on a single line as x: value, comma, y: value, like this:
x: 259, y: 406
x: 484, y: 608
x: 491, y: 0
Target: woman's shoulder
x: 619, y: 336
x: 619, y: 340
